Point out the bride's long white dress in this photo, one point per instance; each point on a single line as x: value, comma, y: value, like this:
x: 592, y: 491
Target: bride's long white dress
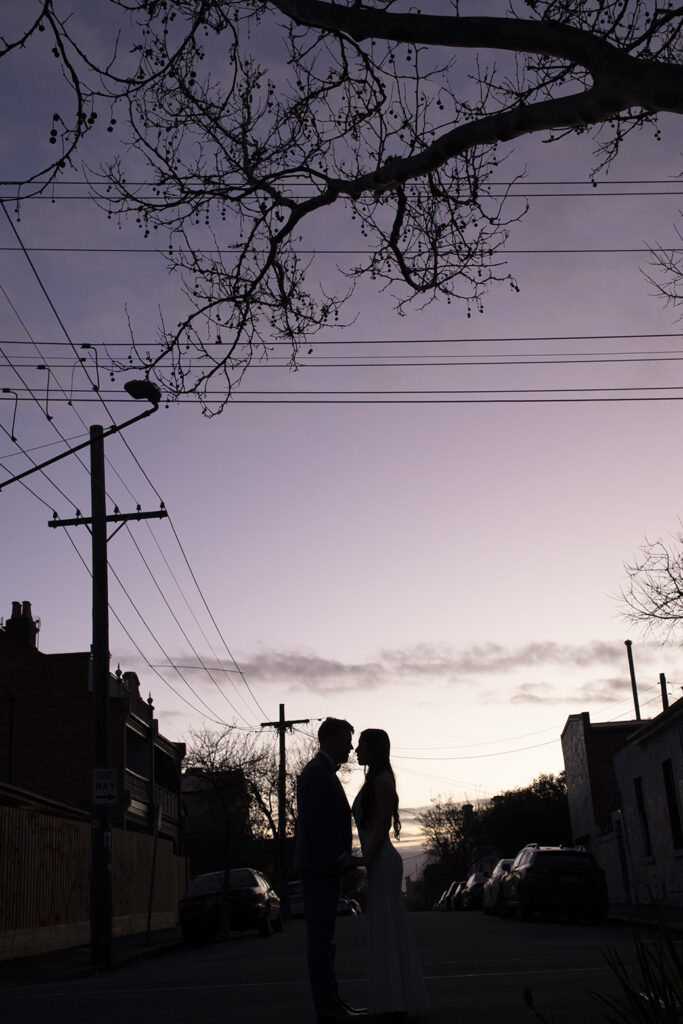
x: 395, y: 979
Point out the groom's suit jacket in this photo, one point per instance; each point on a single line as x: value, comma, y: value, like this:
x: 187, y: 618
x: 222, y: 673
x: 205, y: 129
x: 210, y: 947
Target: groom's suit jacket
x: 323, y: 830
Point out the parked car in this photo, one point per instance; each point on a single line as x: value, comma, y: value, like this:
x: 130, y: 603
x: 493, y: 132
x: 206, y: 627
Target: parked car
x: 455, y: 899
x: 554, y: 879
x: 438, y: 904
x: 251, y: 903
x: 472, y: 894
x: 491, y: 892
x: 296, y: 899
x: 443, y: 902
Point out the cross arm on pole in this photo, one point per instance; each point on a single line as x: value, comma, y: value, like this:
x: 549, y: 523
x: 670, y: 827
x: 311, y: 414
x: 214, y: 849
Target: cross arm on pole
x: 287, y: 725
x: 115, y: 517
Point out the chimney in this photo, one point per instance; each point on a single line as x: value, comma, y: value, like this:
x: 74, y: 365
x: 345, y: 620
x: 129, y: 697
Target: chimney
x: 21, y: 625
x: 132, y: 683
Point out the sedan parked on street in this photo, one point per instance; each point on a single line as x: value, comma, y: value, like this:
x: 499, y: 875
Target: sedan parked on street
x: 444, y: 901
x: 554, y: 880
x: 491, y: 894
x: 205, y: 912
x: 455, y: 899
x: 472, y: 894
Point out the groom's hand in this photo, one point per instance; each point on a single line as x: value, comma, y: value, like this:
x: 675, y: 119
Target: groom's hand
x: 346, y: 862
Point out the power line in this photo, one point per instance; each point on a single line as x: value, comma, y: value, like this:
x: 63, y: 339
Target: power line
x: 180, y: 627
x: 214, y: 716
x: 45, y: 366
x: 101, y: 400
x: 298, y: 195
x: 211, y: 616
x: 593, y: 182
x: 397, y: 362
x: 216, y: 395
x: 410, y: 341
x: 113, y: 611
x: 235, y: 400
x: 228, y: 250
x: 473, y: 757
x: 23, y: 482
x: 227, y: 671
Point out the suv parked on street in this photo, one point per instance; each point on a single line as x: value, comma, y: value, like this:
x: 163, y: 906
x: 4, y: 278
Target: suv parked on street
x: 554, y: 879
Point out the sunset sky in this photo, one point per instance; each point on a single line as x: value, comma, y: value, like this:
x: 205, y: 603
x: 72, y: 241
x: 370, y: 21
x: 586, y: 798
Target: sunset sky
x: 402, y: 559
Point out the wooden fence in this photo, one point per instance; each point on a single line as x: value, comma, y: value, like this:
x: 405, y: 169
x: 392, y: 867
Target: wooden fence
x: 45, y: 882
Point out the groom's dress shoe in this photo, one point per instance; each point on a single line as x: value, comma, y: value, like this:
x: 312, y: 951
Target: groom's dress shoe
x: 342, y: 1014
x: 357, y: 1011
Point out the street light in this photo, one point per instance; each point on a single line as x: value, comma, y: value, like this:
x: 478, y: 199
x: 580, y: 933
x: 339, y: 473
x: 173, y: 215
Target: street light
x: 144, y: 389
x: 104, y: 782
x: 136, y: 389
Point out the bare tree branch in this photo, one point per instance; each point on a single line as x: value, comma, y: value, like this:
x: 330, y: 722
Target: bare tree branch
x: 251, y: 120
x: 653, y: 594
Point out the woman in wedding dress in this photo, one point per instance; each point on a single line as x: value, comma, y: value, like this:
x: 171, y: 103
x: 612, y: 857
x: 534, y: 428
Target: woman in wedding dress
x: 395, y: 980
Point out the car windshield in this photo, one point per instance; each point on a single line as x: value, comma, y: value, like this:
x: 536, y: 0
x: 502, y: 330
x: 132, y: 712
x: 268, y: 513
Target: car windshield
x: 563, y: 859
x: 240, y: 878
x: 199, y: 886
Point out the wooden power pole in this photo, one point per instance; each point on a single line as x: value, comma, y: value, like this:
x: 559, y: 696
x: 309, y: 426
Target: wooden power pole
x: 282, y: 727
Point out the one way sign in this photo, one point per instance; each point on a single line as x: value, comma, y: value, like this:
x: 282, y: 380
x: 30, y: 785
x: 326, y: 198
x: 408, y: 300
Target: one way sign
x: 105, y: 789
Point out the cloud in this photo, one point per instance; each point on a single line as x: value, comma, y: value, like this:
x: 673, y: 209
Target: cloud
x: 614, y: 689
x: 483, y: 659
x: 311, y: 671
x: 441, y: 665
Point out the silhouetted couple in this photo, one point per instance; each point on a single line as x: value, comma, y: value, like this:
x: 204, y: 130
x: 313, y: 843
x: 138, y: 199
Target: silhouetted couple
x: 323, y: 853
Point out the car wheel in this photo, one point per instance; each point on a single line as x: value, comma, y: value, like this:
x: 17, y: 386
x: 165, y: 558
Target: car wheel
x: 265, y: 926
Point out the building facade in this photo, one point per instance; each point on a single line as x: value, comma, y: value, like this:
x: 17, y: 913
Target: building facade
x: 649, y: 772
x: 46, y: 736
x: 625, y: 790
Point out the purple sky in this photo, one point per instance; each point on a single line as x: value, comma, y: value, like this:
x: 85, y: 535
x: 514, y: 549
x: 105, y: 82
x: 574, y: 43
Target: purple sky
x: 446, y: 571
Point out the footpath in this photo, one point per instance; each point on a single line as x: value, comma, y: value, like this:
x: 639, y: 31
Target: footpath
x: 66, y: 964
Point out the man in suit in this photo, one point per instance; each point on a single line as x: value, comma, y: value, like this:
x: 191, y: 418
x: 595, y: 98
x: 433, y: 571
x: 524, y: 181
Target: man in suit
x: 322, y: 853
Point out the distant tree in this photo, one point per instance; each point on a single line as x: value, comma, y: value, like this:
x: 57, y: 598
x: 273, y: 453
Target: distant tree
x: 255, y: 756
x: 538, y: 813
x: 458, y: 836
x: 249, y: 120
x: 652, y: 597
x: 452, y: 835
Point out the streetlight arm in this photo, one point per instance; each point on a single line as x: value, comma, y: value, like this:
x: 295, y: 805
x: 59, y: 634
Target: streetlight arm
x: 78, y: 447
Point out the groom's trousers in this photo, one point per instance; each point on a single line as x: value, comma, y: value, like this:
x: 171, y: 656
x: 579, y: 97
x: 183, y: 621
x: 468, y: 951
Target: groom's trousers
x: 320, y: 890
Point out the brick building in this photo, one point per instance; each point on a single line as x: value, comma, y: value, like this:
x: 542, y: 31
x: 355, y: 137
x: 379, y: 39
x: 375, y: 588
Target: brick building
x: 46, y: 736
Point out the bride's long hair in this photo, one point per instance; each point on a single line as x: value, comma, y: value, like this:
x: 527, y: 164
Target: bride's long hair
x: 379, y: 748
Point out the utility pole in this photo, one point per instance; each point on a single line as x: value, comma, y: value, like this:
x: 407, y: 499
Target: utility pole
x: 104, y: 783
x: 104, y: 780
x: 282, y: 727
x: 632, y: 672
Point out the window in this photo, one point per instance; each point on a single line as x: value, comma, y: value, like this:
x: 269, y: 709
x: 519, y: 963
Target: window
x: 644, y: 827
x: 672, y: 802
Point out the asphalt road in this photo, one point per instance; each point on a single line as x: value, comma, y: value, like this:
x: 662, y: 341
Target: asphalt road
x: 476, y: 968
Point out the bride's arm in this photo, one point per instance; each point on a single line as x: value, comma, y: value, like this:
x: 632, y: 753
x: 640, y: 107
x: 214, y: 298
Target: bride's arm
x: 384, y: 811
